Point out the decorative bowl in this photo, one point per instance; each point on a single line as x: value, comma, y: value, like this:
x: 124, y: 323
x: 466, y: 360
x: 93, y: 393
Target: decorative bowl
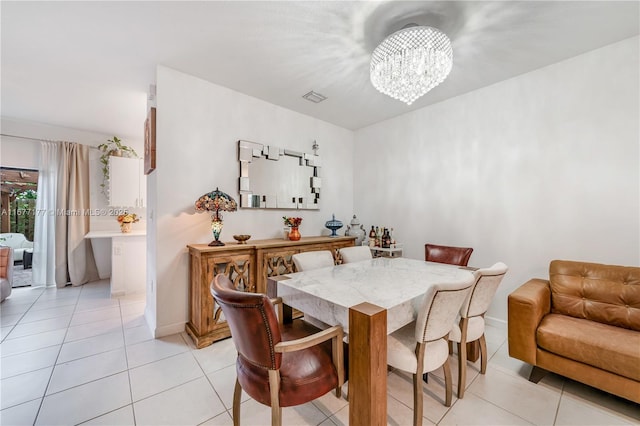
x: 241, y: 239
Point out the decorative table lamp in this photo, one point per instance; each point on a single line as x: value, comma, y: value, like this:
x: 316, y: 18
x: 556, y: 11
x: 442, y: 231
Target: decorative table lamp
x: 216, y: 201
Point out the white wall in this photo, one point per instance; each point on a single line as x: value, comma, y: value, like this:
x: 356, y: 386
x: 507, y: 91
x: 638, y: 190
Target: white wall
x: 539, y: 167
x: 198, y: 126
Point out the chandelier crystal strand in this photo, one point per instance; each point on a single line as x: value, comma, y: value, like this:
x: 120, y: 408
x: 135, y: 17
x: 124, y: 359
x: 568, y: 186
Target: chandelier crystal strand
x: 410, y: 62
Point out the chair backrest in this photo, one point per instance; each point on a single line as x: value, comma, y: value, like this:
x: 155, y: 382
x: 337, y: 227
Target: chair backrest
x: 447, y: 254
x: 355, y: 254
x: 6, y: 263
x: 439, y: 309
x: 482, y: 292
x: 312, y: 260
x: 252, y: 321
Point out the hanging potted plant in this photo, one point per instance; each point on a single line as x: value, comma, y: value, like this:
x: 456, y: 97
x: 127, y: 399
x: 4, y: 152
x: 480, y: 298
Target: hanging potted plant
x: 113, y: 147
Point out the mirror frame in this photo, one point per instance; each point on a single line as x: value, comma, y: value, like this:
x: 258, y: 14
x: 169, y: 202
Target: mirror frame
x: 250, y: 152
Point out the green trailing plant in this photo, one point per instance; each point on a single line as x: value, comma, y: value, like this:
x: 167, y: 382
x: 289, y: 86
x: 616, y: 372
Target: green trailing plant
x: 113, y: 147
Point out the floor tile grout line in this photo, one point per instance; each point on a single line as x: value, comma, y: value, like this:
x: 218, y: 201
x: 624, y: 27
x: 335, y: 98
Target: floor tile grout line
x: 555, y: 417
x: 206, y: 376
x: 44, y: 395
x: 22, y: 316
x: 126, y: 358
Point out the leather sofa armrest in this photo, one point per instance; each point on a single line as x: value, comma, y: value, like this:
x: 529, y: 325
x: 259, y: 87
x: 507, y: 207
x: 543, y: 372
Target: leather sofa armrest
x: 26, y: 244
x: 527, y: 305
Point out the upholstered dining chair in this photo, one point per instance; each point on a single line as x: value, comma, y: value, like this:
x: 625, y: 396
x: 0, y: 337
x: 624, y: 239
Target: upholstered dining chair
x: 422, y: 346
x: 471, y: 325
x: 278, y: 366
x: 355, y: 254
x: 447, y: 254
x: 309, y: 260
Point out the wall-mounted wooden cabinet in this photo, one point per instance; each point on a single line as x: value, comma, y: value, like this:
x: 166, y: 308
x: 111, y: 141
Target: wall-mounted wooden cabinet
x: 127, y: 182
x: 248, y: 266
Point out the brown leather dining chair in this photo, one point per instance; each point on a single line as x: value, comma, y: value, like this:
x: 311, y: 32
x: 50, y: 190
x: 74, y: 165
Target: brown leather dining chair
x: 278, y: 366
x: 447, y: 254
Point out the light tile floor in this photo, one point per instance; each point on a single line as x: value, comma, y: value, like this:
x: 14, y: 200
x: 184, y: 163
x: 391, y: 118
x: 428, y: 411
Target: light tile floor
x: 75, y: 355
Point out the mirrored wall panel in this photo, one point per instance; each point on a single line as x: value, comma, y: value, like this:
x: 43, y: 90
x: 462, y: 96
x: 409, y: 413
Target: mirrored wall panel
x: 272, y: 177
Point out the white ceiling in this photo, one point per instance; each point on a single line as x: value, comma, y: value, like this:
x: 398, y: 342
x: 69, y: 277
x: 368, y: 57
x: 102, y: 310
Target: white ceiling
x: 88, y: 65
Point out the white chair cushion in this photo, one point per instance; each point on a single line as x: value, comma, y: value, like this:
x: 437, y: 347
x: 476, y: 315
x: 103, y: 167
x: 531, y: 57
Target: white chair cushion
x: 355, y: 254
x: 310, y: 260
x: 401, y: 346
x: 475, y: 330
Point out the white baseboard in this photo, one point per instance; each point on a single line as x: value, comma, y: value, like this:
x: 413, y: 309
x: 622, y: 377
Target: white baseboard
x: 167, y: 330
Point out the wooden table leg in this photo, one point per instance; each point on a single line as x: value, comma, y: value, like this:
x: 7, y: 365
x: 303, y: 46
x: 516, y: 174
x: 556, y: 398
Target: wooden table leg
x: 367, y: 365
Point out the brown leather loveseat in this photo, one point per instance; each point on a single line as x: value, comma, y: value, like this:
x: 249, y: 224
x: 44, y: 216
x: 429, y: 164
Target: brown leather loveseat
x: 582, y: 323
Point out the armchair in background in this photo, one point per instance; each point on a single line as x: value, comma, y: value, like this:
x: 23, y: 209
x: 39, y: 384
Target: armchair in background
x: 6, y: 272
x: 18, y: 242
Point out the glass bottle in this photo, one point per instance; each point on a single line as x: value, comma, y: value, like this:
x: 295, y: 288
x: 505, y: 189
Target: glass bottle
x: 386, y: 239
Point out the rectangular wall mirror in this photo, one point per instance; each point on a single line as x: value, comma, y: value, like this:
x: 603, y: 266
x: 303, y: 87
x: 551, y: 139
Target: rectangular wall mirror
x: 272, y: 177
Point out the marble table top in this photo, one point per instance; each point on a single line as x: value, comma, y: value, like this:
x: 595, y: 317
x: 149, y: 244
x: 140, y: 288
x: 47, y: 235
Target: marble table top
x: 396, y: 284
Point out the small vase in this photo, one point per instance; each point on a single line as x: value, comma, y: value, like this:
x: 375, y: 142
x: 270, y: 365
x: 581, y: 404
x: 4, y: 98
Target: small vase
x: 125, y: 227
x: 294, y: 234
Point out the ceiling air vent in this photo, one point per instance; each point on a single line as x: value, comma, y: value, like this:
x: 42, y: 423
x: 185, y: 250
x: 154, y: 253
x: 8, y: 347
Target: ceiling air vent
x: 314, y: 97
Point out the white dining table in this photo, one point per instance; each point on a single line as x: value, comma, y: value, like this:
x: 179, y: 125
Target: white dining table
x: 369, y: 299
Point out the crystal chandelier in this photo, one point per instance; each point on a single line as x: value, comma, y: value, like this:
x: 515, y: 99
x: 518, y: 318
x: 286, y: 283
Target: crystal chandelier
x: 410, y: 62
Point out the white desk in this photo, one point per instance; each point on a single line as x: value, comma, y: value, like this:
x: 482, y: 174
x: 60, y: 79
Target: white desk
x: 369, y: 299
x: 127, y: 254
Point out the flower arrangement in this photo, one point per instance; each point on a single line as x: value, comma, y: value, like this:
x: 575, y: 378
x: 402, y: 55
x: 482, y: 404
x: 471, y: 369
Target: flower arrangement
x: 128, y: 218
x: 294, y: 222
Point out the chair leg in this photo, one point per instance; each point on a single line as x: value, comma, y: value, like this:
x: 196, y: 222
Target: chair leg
x: 417, y: 400
x: 483, y: 355
x: 237, y: 394
x: 448, y: 386
x: 417, y: 385
x: 462, y: 357
x: 450, y: 347
x: 276, y: 410
x: 337, y: 354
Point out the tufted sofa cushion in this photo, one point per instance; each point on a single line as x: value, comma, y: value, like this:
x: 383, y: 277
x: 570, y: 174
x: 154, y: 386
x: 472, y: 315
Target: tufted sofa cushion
x: 603, y: 293
x: 583, y: 341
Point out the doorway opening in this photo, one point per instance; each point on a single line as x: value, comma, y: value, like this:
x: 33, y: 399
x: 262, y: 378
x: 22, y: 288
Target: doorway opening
x: 19, y: 191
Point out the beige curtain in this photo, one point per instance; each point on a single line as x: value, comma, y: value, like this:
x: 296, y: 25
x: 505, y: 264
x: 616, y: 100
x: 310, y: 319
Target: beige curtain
x: 73, y: 253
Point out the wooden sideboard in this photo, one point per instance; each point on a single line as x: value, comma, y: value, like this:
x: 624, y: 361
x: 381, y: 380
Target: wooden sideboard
x: 248, y: 266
